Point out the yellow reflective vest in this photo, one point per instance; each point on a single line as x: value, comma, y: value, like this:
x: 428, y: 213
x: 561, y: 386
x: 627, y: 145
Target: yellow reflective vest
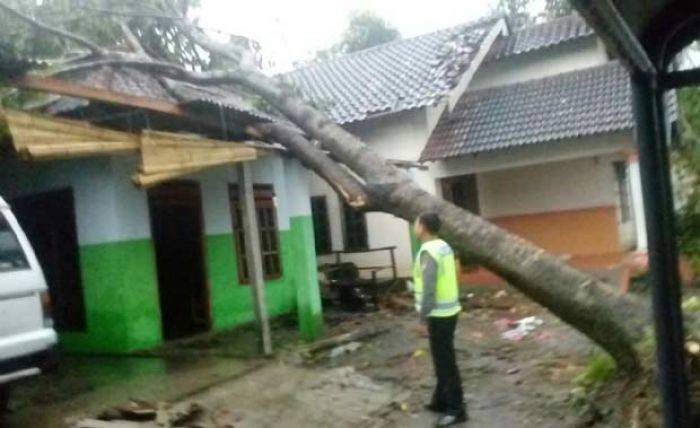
x: 446, y: 288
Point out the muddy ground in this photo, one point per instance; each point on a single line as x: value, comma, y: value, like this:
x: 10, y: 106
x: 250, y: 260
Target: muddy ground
x: 380, y: 382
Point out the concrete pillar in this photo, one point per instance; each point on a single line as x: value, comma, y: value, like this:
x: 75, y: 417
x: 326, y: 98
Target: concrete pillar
x: 637, y: 201
x: 309, y: 308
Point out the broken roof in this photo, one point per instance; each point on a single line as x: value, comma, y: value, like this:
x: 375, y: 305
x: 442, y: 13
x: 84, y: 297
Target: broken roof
x: 541, y: 36
x: 392, y: 77
x: 143, y: 84
x: 584, y: 102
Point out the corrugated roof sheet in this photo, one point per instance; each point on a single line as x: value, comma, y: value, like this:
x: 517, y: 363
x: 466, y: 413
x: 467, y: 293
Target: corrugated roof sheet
x: 575, y: 104
x: 392, y: 77
x: 540, y: 36
x: 218, y: 96
x: 140, y: 83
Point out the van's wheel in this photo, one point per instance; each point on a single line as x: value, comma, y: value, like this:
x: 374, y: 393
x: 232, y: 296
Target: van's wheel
x: 4, y: 398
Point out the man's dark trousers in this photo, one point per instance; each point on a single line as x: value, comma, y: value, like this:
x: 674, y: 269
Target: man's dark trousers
x: 448, y: 392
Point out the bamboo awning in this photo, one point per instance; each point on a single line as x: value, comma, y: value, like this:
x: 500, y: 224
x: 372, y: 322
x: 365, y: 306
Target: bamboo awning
x: 164, y: 155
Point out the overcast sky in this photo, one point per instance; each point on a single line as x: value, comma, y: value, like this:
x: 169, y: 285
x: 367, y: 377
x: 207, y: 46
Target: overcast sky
x: 295, y: 29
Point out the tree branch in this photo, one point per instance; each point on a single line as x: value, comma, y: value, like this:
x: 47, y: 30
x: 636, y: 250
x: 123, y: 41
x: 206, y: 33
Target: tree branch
x: 95, y: 49
x: 344, y: 183
x: 132, y: 40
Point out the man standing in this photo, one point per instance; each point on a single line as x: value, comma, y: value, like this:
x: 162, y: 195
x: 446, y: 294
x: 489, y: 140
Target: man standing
x: 437, y: 302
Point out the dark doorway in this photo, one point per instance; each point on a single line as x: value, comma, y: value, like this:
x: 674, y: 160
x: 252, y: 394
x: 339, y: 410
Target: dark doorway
x: 48, y: 219
x: 177, y: 228
x: 462, y: 191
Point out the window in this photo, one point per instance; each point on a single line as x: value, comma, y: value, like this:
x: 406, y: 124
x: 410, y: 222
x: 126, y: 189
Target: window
x: 269, y: 234
x: 623, y: 185
x: 462, y: 191
x: 322, y: 230
x: 11, y: 254
x: 355, y: 229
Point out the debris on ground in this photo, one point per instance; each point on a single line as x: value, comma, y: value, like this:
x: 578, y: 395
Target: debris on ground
x: 344, y: 349
x: 312, y: 351
x: 521, y: 328
x: 142, y: 414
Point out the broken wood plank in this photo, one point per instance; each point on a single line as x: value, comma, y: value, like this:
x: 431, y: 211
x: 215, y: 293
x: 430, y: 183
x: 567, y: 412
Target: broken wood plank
x: 37, y: 137
x: 251, y: 236
x: 64, y: 87
x: 165, y: 152
x: 342, y: 339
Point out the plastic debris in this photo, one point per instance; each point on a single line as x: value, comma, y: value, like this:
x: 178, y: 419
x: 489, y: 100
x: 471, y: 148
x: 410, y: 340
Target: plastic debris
x: 418, y: 353
x: 345, y: 349
x: 522, y: 328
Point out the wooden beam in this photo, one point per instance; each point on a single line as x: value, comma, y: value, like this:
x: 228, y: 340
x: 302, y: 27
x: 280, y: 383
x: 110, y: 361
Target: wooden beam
x: 38, y: 137
x: 148, y: 180
x: 251, y: 235
x: 169, y: 152
x: 71, y: 89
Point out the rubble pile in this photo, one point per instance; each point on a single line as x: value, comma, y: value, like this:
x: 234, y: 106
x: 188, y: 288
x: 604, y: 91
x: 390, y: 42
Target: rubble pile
x: 143, y: 414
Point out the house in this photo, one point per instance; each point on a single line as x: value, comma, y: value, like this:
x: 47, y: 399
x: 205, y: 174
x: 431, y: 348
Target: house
x: 535, y: 134
x: 129, y: 268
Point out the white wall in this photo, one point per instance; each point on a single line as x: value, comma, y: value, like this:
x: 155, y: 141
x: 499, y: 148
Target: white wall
x: 109, y: 208
x: 569, y: 56
x: 555, y: 186
x: 398, y: 136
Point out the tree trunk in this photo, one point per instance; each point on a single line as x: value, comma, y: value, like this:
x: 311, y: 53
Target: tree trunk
x: 615, y: 322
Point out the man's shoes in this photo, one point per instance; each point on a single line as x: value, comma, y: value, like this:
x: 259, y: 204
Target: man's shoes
x: 451, y: 420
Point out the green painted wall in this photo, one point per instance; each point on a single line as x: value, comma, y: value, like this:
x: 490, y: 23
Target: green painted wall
x: 305, y: 278
x: 297, y: 289
x: 121, y: 291
x: 121, y: 298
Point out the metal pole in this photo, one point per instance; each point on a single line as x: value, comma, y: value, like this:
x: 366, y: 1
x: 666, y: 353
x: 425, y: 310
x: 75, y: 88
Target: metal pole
x: 251, y: 236
x: 663, y: 257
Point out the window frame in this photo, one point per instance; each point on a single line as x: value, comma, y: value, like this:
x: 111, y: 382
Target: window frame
x: 268, y: 226
x: 364, y: 246
x: 624, y: 190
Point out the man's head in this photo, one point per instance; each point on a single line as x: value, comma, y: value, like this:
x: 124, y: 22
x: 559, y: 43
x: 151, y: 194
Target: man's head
x: 426, y: 226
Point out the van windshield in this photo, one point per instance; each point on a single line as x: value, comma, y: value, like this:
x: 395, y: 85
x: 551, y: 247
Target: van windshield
x: 11, y: 254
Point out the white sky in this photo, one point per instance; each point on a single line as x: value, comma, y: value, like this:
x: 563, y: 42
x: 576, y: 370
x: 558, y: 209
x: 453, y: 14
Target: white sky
x: 295, y: 29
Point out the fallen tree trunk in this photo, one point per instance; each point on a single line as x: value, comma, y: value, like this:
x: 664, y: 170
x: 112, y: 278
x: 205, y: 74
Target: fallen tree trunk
x: 616, y: 322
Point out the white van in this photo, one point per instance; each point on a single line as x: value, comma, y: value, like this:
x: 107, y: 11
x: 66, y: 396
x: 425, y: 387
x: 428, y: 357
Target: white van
x: 27, y: 337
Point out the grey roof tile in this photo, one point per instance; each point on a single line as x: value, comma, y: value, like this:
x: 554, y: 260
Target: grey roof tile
x: 584, y: 102
x: 540, y: 36
x: 392, y: 77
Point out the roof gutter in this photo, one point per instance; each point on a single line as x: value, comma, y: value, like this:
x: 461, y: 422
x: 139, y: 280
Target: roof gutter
x: 605, y: 18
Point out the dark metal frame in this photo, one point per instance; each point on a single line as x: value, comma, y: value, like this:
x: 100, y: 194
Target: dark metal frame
x: 648, y: 54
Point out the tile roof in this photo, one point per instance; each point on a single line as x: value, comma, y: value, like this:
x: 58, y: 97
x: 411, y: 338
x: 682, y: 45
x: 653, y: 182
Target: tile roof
x: 540, y: 36
x: 575, y: 104
x: 392, y: 77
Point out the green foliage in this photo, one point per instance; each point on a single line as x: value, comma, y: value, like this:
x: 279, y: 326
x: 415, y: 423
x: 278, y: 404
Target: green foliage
x: 691, y: 304
x: 557, y: 8
x: 99, y: 21
x: 686, y: 161
x: 522, y: 13
x: 519, y: 12
x: 365, y: 30
x: 599, y: 370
